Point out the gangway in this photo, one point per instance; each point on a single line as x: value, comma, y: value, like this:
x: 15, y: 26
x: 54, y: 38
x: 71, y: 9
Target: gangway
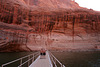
x: 36, y: 60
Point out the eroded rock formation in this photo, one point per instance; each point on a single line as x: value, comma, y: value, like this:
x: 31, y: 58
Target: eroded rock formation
x: 53, y: 24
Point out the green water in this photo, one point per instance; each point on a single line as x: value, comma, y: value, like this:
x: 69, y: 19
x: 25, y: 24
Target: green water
x: 69, y: 59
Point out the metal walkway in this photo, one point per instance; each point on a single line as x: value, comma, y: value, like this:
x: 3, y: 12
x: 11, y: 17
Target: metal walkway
x: 42, y: 61
x: 36, y: 60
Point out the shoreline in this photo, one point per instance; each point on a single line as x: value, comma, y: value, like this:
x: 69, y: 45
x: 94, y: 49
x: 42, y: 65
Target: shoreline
x: 75, y: 50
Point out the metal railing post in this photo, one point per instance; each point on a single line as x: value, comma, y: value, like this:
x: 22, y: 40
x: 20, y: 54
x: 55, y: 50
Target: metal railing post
x: 21, y: 62
x: 28, y: 59
x: 55, y: 62
x: 61, y: 65
x: 2, y: 66
x: 33, y: 58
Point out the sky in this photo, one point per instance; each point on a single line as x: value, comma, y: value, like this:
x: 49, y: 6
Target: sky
x: 90, y: 4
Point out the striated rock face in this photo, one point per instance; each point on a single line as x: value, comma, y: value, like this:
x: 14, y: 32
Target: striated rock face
x: 52, y: 24
x: 12, y: 11
x: 53, y: 4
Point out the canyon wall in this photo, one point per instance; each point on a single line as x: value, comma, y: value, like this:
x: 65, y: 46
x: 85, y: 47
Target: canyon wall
x: 53, y: 25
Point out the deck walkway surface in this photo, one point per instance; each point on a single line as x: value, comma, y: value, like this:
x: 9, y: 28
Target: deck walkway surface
x: 42, y: 61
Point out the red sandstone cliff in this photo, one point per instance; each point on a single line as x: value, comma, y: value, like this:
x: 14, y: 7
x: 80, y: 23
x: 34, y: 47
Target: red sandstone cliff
x: 53, y: 4
x: 57, y: 24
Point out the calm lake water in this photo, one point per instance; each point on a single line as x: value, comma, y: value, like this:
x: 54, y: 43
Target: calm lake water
x: 79, y: 59
x: 69, y: 59
x: 7, y: 57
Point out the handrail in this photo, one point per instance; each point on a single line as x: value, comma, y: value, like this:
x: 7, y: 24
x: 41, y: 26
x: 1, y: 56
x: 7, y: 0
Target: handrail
x: 31, y: 58
x: 27, y: 60
x: 20, y: 59
x: 54, y: 59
